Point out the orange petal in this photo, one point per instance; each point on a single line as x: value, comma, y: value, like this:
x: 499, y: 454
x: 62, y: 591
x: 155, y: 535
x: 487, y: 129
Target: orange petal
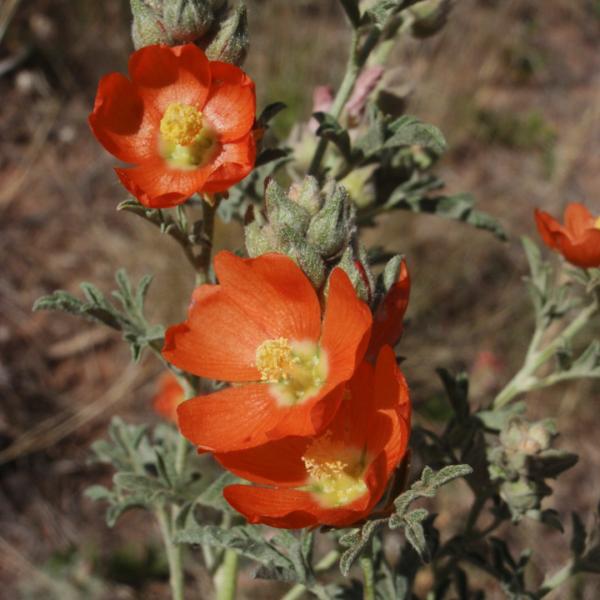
x: 583, y: 252
x: 231, y: 419
x: 346, y: 328
x: 275, y: 293
x: 283, y: 508
x: 311, y: 417
x: 388, y: 321
x: 247, y: 416
x: 288, y: 509
x: 392, y: 400
x: 231, y: 106
x: 577, y: 219
x: 548, y: 228
x: 235, y: 162
x: 275, y: 463
x: 169, y: 396
x: 351, y: 423
x: 120, y: 122
x: 156, y: 185
x: 165, y: 75
x: 218, y: 340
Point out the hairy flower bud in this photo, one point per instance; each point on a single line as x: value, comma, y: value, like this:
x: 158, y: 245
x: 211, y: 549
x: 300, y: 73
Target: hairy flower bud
x: 314, y: 227
x: 332, y: 227
x: 259, y: 239
x: 429, y: 16
x: 147, y: 27
x: 360, y: 186
x: 174, y: 22
x: 307, y: 194
x: 307, y: 258
x: 282, y: 212
x: 358, y: 271
x: 391, y: 272
x: 230, y: 43
x: 188, y: 20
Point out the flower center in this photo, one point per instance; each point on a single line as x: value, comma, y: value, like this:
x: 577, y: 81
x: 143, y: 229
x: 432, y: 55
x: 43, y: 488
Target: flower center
x: 597, y: 223
x: 185, y: 141
x: 181, y: 124
x: 296, y: 371
x: 335, y: 472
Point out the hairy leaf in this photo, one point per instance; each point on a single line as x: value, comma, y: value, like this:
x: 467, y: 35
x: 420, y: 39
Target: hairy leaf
x: 409, y: 131
x: 330, y: 129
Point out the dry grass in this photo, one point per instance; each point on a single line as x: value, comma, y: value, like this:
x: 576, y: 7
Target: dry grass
x: 61, y: 380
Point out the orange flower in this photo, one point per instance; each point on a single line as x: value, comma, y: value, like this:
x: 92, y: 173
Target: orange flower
x: 168, y: 397
x: 184, y: 122
x: 389, y: 315
x: 578, y: 240
x: 261, y: 329
x: 338, y: 477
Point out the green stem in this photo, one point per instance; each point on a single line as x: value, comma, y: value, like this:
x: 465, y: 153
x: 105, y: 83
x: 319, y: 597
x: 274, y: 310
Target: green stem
x: 174, y: 554
x: 227, y: 577
x: 366, y: 564
x: 522, y: 381
x: 353, y: 69
x: 323, y: 565
x: 356, y: 62
x: 208, y: 231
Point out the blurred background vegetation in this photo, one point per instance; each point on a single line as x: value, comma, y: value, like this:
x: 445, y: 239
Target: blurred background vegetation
x: 514, y: 85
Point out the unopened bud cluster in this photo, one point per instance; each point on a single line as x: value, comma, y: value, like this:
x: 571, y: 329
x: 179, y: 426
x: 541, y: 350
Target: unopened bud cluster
x: 314, y: 227
x: 523, y: 461
x: 207, y: 23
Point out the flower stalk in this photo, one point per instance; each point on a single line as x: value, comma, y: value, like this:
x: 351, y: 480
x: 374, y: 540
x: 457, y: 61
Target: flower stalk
x: 525, y: 380
x: 227, y: 576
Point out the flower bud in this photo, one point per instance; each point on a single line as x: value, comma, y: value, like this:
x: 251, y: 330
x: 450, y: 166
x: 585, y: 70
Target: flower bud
x: 392, y: 271
x: 358, y: 273
x: 429, y: 16
x: 521, y: 496
x: 360, y: 186
x: 307, y: 258
x: 259, y: 239
x: 187, y: 20
x: 147, y: 27
x: 332, y: 227
x: 230, y: 43
x: 307, y: 194
x: 282, y: 212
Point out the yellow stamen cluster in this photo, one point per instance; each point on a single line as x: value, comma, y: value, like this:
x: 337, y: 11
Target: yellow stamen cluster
x: 335, y: 472
x: 296, y: 371
x: 274, y: 359
x: 597, y: 223
x: 181, y: 124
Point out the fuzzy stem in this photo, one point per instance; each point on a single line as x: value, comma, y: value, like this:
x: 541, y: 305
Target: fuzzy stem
x: 323, y: 565
x: 356, y: 62
x: 228, y: 572
x: 535, y: 358
x: 174, y: 555
x: 208, y: 231
x: 366, y: 564
x: 353, y: 69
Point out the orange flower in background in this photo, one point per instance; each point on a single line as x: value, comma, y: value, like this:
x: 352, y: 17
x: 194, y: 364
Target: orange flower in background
x: 183, y: 121
x: 388, y: 320
x: 338, y: 477
x: 168, y: 397
x: 578, y: 240
x: 262, y: 329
